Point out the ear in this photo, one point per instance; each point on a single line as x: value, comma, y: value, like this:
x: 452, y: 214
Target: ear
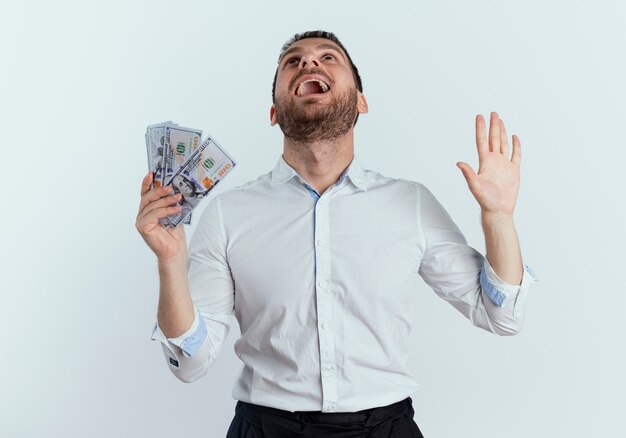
x: 361, y: 105
x: 273, y: 118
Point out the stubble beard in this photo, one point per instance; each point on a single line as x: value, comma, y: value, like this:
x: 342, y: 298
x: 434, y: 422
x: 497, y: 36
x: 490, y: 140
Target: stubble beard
x: 304, y: 123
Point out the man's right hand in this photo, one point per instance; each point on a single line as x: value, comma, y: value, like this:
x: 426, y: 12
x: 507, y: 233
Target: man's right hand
x: 156, y: 203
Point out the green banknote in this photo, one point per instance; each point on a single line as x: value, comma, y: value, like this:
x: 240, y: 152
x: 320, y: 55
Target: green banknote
x: 176, y: 158
x: 155, y: 146
x: 206, y: 167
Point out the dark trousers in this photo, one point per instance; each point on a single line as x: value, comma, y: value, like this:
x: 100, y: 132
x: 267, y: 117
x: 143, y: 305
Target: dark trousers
x: 392, y: 421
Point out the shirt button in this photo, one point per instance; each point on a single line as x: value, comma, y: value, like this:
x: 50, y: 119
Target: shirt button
x: 324, y: 325
x: 323, y: 283
x: 320, y: 242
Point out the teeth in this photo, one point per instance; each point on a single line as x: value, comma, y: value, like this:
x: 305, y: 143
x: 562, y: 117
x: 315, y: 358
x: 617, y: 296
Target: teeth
x: 323, y: 84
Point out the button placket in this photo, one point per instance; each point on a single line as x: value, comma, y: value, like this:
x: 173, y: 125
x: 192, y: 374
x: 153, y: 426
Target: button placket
x: 324, y: 304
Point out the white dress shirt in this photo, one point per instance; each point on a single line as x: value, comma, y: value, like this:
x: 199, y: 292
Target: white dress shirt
x: 323, y: 288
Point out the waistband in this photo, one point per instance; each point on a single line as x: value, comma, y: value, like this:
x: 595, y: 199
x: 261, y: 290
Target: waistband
x: 367, y: 417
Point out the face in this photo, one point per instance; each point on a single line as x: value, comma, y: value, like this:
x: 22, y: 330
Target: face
x: 183, y: 186
x: 316, y: 95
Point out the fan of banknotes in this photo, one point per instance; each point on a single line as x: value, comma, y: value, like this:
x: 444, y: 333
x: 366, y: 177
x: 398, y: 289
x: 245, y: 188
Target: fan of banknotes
x: 179, y: 158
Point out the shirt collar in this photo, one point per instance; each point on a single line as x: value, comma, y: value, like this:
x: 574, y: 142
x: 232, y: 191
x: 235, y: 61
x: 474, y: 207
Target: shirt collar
x: 283, y: 172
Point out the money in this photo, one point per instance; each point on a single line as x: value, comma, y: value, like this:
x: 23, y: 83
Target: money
x: 179, y: 145
x: 173, y: 159
x: 206, y: 167
x: 155, y: 145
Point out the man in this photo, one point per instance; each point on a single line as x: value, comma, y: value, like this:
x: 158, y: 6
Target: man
x: 319, y: 261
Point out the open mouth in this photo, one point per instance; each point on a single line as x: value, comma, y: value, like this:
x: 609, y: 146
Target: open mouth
x: 312, y: 86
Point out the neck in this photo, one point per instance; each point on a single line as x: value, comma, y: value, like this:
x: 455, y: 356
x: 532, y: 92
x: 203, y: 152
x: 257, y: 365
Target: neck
x: 320, y: 163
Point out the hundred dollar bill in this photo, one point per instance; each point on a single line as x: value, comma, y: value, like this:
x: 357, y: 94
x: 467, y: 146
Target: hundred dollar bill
x: 207, y: 166
x: 155, y: 146
x: 180, y: 143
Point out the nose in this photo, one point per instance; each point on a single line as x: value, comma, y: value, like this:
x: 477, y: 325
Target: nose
x: 310, y: 60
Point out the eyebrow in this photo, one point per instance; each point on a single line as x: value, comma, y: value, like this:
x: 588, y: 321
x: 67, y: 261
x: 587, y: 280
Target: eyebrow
x: 323, y: 46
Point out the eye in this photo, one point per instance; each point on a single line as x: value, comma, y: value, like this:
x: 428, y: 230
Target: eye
x: 292, y: 61
x: 328, y: 57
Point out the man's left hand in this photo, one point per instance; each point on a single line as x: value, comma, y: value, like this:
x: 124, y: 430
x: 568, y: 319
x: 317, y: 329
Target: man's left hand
x: 496, y: 185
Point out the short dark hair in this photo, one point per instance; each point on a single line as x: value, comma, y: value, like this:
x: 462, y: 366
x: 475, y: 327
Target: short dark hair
x: 327, y: 36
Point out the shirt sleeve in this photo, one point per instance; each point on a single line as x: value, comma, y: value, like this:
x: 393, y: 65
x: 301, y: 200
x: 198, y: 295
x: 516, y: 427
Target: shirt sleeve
x: 463, y: 277
x: 190, y: 355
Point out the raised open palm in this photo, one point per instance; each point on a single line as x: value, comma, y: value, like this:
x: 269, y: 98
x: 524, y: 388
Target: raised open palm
x: 496, y: 185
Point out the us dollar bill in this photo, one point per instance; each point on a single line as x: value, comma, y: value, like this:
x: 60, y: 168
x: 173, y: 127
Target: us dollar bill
x: 206, y: 167
x: 155, y: 146
x: 179, y: 144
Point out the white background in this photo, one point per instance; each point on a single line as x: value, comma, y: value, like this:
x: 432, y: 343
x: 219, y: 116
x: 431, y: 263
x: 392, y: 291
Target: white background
x: 81, y: 80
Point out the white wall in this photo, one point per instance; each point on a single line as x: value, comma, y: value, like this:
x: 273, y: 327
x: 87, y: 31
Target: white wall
x: 81, y: 80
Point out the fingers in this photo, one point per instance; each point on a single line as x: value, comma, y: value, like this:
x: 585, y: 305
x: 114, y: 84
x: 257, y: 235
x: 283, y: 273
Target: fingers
x: 146, y: 222
x: 517, y: 150
x: 504, y: 144
x: 494, y: 133
x: 154, y: 194
x: 162, y: 212
x: 145, y: 184
x: 497, y: 135
x: 166, y: 201
x: 481, y: 136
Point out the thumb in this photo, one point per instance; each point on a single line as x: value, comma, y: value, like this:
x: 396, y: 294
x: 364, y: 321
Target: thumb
x: 470, y: 176
x: 467, y: 170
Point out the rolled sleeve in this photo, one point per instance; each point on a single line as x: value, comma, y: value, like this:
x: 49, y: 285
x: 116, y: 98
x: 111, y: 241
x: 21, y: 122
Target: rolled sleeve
x: 502, y: 293
x: 190, y: 341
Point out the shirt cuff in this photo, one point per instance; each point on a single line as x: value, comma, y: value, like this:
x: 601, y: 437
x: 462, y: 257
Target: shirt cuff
x: 190, y: 341
x: 499, y: 291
